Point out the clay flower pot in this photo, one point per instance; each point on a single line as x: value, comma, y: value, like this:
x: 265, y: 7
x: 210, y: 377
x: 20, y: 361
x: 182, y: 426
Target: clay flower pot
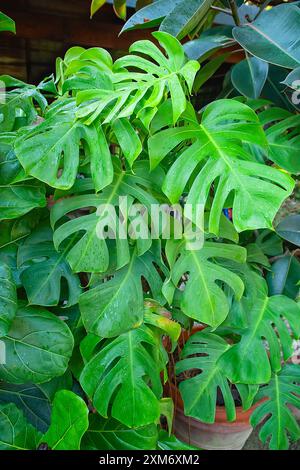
x: 222, y: 434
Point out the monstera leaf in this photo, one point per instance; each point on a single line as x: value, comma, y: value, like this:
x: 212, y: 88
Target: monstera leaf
x: 116, y: 305
x: 147, y: 87
x: 278, y: 420
x: 38, y: 347
x: 249, y: 361
x: 273, y: 36
x: 44, y: 270
x: 16, y: 432
x: 199, y: 393
x: 31, y: 400
x: 18, y: 107
x: 11, y: 169
x: 203, y: 298
x: 51, y: 151
x: 217, y: 143
x: 109, y: 434
x: 90, y: 251
x: 19, y: 198
x: 8, y: 299
x: 282, y: 132
x: 121, y: 372
x: 69, y: 421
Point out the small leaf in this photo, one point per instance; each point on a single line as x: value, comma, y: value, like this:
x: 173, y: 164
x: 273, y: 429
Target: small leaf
x: 6, y: 23
x: 69, y: 422
x: 96, y: 5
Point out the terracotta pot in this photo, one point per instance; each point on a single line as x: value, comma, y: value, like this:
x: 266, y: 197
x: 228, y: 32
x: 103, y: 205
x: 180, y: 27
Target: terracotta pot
x: 221, y: 435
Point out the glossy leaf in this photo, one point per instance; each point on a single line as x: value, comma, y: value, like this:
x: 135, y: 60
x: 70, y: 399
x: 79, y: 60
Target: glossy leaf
x: 16, y: 433
x: 248, y: 361
x: 69, y: 422
x: 151, y: 15
x: 8, y: 299
x: 289, y: 229
x: 19, y: 198
x: 217, y: 143
x: 128, y: 381
x: 50, y: 151
x: 208, y: 42
x: 273, y: 36
x: 278, y: 420
x: 284, y: 277
x: 31, y: 400
x: 249, y: 76
x: 203, y: 298
x: 117, y: 305
x: 38, y: 347
x: 109, y: 434
x: 44, y: 270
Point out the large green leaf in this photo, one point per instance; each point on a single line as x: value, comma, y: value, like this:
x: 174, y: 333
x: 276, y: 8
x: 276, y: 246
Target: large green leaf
x: 31, y: 400
x: 284, y: 276
x: 69, y: 422
x: 249, y: 76
x: 18, y: 104
x: 16, y: 432
x: 91, y: 251
x: 6, y: 23
x: 11, y: 169
x: 278, y: 420
x: 273, y: 36
x: 38, y: 347
x: 185, y: 17
x: 126, y: 371
x: 248, y: 361
x: 217, y: 143
x: 8, y: 299
x: 158, y: 75
x: 109, y: 434
x: 19, y: 198
x: 289, y: 229
x: 44, y: 270
x: 51, y: 151
x: 282, y: 131
x: 204, y: 276
x: 116, y: 305
x: 199, y: 393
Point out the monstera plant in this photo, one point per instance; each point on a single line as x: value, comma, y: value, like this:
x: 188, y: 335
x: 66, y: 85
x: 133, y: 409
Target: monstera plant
x: 83, y: 316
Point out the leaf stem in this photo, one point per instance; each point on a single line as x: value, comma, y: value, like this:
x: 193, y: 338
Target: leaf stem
x: 222, y: 10
x: 234, y: 11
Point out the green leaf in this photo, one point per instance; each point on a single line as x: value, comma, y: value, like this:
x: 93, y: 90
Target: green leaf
x: 38, y: 347
x: 248, y: 361
x: 204, y: 274
x: 208, y: 42
x: 96, y: 5
x: 51, y: 151
x: 31, y: 400
x: 92, y: 250
x: 109, y: 434
x: 208, y: 70
x: 157, y: 75
x: 11, y: 169
x: 117, y: 305
x: 19, y: 198
x: 69, y: 422
x: 282, y: 131
x: 284, y: 277
x: 185, y: 17
x: 120, y: 8
x: 127, y: 139
x: 278, y: 420
x: 8, y: 299
x: 18, y: 104
x: 199, y: 393
x: 289, y: 229
x: 44, y: 270
x: 274, y: 90
x: 217, y: 144
x: 249, y: 76
x: 151, y: 15
x: 273, y: 36
x: 6, y: 23
x: 16, y: 433
x: 128, y: 381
